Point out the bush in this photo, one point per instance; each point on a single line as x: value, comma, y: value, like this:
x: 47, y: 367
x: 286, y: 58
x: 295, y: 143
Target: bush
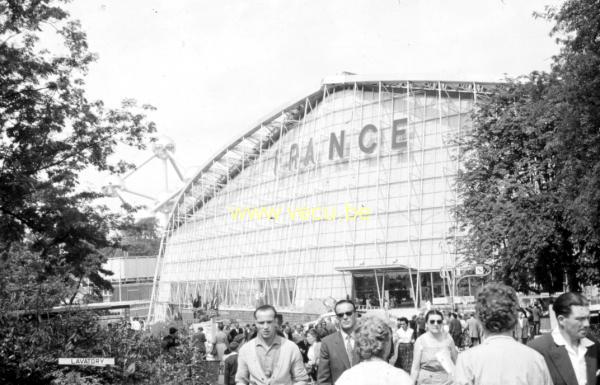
x: 139, y: 358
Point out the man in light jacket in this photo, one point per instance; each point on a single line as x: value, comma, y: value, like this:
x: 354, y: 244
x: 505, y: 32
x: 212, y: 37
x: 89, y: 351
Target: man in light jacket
x: 269, y: 358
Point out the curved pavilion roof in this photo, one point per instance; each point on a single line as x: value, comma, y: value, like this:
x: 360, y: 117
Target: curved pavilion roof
x: 236, y: 156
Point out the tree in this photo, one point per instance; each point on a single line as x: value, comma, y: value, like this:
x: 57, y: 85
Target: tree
x: 50, y: 132
x: 51, y: 231
x: 530, y: 186
x: 141, y: 238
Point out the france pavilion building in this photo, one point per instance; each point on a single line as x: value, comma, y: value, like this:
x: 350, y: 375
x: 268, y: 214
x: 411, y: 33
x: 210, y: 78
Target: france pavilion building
x: 344, y: 193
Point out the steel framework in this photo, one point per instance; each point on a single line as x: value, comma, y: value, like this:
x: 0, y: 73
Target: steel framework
x: 288, y: 161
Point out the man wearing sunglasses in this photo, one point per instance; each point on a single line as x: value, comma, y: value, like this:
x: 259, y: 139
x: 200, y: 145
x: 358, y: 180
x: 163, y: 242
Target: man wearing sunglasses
x: 338, y: 350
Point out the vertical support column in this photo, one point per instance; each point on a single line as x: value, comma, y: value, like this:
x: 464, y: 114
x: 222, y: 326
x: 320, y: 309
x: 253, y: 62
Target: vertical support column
x: 389, y: 176
x: 158, y: 268
x: 379, y: 129
x: 347, y: 233
x: 409, y: 157
x: 455, y: 198
x: 421, y: 165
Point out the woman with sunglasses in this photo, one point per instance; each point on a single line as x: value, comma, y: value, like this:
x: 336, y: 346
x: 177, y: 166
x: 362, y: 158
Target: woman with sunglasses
x: 435, y: 353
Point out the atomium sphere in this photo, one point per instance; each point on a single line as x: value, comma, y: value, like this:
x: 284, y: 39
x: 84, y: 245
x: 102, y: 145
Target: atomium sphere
x: 162, y: 145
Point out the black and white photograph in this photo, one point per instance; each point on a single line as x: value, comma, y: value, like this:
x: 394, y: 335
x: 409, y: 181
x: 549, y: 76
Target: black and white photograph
x: 300, y: 192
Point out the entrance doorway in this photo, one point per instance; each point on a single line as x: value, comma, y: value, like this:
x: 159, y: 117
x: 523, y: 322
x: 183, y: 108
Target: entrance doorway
x: 394, y: 286
x: 383, y: 289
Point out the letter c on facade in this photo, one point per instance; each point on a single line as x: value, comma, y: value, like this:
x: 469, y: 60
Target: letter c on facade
x: 367, y: 149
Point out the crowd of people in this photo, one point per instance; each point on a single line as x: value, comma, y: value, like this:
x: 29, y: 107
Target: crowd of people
x: 498, y: 344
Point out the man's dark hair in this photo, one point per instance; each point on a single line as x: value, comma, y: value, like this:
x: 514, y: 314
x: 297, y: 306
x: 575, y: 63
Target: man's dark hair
x: 562, y: 305
x: 172, y: 330
x: 497, y: 306
x: 342, y: 301
x: 403, y: 319
x: 265, y: 307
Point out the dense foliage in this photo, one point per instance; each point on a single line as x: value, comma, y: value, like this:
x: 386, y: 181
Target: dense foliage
x: 141, y: 238
x: 51, y: 232
x: 50, y: 132
x: 530, y: 186
x: 33, y: 335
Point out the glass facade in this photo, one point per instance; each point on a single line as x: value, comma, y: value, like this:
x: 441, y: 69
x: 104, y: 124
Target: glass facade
x: 346, y: 194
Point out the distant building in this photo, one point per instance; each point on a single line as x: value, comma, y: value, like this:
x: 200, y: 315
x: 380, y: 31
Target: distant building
x: 132, y: 281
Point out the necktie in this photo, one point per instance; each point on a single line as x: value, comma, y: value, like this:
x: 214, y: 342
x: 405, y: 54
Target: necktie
x: 349, y: 348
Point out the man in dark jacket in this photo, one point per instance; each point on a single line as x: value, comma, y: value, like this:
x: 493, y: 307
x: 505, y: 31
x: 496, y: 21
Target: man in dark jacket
x: 338, y: 350
x: 171, y: 340
x: 536, y: 313
x: 455, y: 330
x: 231, y: 363
x: 233, y: 332
x: 303, y: 346
x: 572, y: 358
x: 420, y: 322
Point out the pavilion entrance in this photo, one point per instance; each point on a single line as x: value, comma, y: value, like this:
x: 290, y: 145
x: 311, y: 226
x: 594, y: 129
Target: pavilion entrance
x: 391, y: 287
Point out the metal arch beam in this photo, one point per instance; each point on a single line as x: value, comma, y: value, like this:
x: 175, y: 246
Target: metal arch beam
x: 332, y: 82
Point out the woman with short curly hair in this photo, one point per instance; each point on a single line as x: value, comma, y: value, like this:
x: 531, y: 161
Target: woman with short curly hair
x: 373, y: 340
x: 500, y: 359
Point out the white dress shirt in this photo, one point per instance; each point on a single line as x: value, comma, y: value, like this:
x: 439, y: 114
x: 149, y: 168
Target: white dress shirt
x: 577, y: 356
x: 345, y: 338
x: 500, y: 360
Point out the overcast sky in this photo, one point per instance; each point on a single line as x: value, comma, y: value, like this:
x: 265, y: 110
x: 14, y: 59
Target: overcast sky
x: 213, y: 68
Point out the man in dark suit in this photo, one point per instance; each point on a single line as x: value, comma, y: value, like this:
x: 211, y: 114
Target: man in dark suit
x: 338, y: 350
x: 233, y: 332
x: 231, y: 364
x: 420, y: 324
x: 536, y: 315
x: 571, y: 357
x: 303, y: 346
x: 455, y: 330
